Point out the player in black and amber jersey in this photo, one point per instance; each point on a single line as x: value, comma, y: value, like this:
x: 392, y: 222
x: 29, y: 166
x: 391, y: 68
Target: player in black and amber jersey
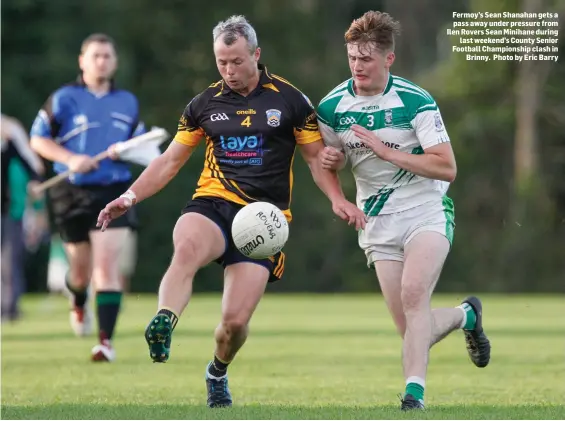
x: 251, y: 121
x: 250, y: 140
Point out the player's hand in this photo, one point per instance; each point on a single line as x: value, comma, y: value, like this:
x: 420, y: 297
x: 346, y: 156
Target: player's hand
x: 350, y: 213
x: 371, y: 140
x: 331, y: 158
x: 113, y: 210
x: 82, y: 164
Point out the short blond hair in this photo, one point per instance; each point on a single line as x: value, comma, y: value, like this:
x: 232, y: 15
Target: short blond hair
x: 376, y: 29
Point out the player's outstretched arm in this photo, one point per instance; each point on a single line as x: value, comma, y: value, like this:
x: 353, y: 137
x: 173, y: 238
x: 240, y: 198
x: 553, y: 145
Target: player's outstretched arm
x: 328, y: 182
x: 156, y: 176
x: 161, y: 170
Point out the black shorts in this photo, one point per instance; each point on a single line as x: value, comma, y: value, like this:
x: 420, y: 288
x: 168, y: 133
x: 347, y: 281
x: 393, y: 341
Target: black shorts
x: 222, y: 212
x: 76, y: 208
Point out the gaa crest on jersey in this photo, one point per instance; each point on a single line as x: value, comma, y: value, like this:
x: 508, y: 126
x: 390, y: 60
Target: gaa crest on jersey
x: 273, y: 117
x: 438, y: 123
x: 388, y: 117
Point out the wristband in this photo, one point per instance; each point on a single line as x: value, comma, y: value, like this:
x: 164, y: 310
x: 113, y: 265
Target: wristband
x: 131, y: 196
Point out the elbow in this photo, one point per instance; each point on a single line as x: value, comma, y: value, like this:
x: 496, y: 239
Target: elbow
x: 450, y: 174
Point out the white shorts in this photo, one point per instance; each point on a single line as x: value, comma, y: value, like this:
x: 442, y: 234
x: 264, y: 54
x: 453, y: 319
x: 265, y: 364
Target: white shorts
x: 385, y: 236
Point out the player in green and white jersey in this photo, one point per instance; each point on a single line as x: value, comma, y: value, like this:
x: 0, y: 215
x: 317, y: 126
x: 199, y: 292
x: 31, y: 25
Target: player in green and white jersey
x: 392, y: 133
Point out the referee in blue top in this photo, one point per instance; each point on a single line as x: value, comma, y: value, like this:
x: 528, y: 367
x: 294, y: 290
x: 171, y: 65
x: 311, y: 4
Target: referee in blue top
x: 78, y: 121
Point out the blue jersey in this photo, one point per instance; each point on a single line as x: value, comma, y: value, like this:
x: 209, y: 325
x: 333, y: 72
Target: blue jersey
x: 87, y: 124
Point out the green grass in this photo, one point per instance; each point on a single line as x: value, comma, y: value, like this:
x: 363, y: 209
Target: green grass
x: 308, y: 357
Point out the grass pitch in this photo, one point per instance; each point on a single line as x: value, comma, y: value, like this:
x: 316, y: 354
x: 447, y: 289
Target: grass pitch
x: 308, y: 357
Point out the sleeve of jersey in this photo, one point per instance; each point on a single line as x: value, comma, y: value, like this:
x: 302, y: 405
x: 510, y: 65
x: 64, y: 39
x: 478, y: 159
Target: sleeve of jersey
x: 188, y: 132
x: 307, y: 130
x: 30, y: 161
x: 429, y: 128
x: 138, y: 129
x: 329, y: 136
x: 46, y: 123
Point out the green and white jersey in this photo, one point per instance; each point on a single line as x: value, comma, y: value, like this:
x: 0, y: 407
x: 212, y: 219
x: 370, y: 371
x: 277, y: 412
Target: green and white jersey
x: 406, y: 118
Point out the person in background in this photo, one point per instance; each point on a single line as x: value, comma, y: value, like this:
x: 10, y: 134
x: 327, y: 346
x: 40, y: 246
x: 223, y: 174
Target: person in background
x: 77, y: 122
x: 21, y: 169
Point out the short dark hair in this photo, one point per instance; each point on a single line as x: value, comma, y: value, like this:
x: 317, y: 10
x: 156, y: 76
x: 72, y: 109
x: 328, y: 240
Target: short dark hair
x: 99, y: 37
x: 376, y: 28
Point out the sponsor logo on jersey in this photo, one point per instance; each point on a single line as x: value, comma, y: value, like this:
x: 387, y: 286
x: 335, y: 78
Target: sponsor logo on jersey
x: 360, y: 145
x: 250, y: 111
x: 356, y: 145
x: 242, y: 150
x: 219, y: 116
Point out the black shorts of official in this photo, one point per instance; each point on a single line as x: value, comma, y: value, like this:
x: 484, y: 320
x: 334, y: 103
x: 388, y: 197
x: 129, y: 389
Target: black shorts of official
x: 76, y: 208
x: 222, y: 213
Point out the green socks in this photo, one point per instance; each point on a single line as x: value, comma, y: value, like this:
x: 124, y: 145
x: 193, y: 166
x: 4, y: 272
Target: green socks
x: 469, y: 318
x: 415, y: 387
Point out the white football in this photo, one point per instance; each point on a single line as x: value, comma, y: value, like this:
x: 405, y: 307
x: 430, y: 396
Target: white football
x: 259, y: 230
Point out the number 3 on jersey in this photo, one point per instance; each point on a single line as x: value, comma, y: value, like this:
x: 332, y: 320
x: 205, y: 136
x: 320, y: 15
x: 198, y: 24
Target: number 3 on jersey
x: 247, y: 121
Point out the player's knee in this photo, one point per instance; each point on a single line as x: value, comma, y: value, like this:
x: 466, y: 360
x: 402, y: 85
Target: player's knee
x: 413, y: 297
x: 234, y: 324
x: 188, y: 254
x: 79, y: 272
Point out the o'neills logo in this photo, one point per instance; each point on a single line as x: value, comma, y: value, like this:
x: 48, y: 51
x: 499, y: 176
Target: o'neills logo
x: 246, y: 112
x: 252, y: 245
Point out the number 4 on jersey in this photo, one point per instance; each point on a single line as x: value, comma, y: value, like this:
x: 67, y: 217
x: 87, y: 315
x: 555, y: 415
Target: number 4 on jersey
x: 247, y: 121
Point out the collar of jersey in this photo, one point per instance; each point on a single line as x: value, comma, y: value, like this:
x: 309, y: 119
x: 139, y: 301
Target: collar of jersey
x: 80, y: 82
x: 387, y: 87
x: 264, y: 79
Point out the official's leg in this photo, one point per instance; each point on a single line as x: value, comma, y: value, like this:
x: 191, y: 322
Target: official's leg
x: 197, y: 241
x: 106, y: 277
x: 74, y: 234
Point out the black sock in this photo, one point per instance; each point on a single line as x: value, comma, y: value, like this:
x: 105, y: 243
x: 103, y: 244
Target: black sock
x: 108, y: 307
x: 172, y: 316
x: 79, y: 295
x: 218, y: 368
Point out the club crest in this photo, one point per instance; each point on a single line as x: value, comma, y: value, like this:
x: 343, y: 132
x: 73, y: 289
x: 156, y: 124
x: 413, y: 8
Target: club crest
x: 388, y: 117
x: 273, y: 118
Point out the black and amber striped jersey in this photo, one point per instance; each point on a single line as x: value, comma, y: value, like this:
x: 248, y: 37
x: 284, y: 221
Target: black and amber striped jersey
x: 250, y: 140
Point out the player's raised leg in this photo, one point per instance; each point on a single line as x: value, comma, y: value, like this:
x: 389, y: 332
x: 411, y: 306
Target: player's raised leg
x: 197, y: 241
x: 106, y: 277
x: 244, y: 286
